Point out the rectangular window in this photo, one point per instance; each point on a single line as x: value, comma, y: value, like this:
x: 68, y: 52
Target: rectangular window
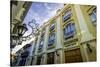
x: 41, y: 41
x: 93, y: 16
x: 67, y: 15
x: 29, y: 49
x: 51, y: 39
x: 41, y: 45
x: 52, y: 27
x: 69, y: 30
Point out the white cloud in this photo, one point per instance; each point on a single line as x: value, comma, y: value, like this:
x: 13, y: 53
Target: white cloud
x: 51, y: 11
x: 41, y: 19
x: 47, y: 7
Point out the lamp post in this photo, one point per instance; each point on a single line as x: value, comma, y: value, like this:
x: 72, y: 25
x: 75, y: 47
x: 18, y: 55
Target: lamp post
x: 21, y: 29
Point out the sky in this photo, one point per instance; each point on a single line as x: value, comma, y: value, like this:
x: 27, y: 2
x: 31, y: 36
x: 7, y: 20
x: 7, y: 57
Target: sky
x: 41, y: 12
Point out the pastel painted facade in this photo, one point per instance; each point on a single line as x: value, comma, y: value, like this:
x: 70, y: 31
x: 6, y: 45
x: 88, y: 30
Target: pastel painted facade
x: 68, y: 37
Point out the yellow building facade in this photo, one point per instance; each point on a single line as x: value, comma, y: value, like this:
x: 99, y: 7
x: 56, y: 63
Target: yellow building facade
x: 68, y: 37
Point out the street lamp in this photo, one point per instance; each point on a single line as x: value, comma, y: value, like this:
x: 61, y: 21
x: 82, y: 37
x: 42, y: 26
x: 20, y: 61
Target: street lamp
x: 21, y: 30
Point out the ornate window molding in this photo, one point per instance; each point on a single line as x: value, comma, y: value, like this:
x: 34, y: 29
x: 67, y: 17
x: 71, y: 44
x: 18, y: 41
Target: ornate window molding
x: 67, y: 15
x: 69, y: 30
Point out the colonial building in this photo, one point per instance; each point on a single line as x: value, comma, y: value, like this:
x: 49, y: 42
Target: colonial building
x: 68, y: 37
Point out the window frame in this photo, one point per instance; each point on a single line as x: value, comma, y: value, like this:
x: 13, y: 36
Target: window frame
x: 68, y: 14
x: 51, y: 39
x: 93, y: 15
x: 40, y: 47
x: 52, y: 27
x: 69, y: 30
x: 41, y: 41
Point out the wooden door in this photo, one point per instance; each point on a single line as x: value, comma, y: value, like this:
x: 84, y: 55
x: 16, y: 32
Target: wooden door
x: 50, y: 58
x: 73, y: 56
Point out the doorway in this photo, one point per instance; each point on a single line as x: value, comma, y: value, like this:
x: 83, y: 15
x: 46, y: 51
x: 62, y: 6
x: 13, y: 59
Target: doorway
x: 73, y: 56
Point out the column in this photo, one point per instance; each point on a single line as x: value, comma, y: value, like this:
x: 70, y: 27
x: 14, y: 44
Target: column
x: 59, y: 46
x: 44, y: 58
x: 86, y: 35
x: 36, y: 50
x: 58, y: 34
x: 84, y: 32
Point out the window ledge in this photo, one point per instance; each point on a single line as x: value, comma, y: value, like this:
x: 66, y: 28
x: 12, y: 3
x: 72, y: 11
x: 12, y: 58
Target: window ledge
x: 71, y: 35
x: 50, y: 47
x: 70, y: 40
